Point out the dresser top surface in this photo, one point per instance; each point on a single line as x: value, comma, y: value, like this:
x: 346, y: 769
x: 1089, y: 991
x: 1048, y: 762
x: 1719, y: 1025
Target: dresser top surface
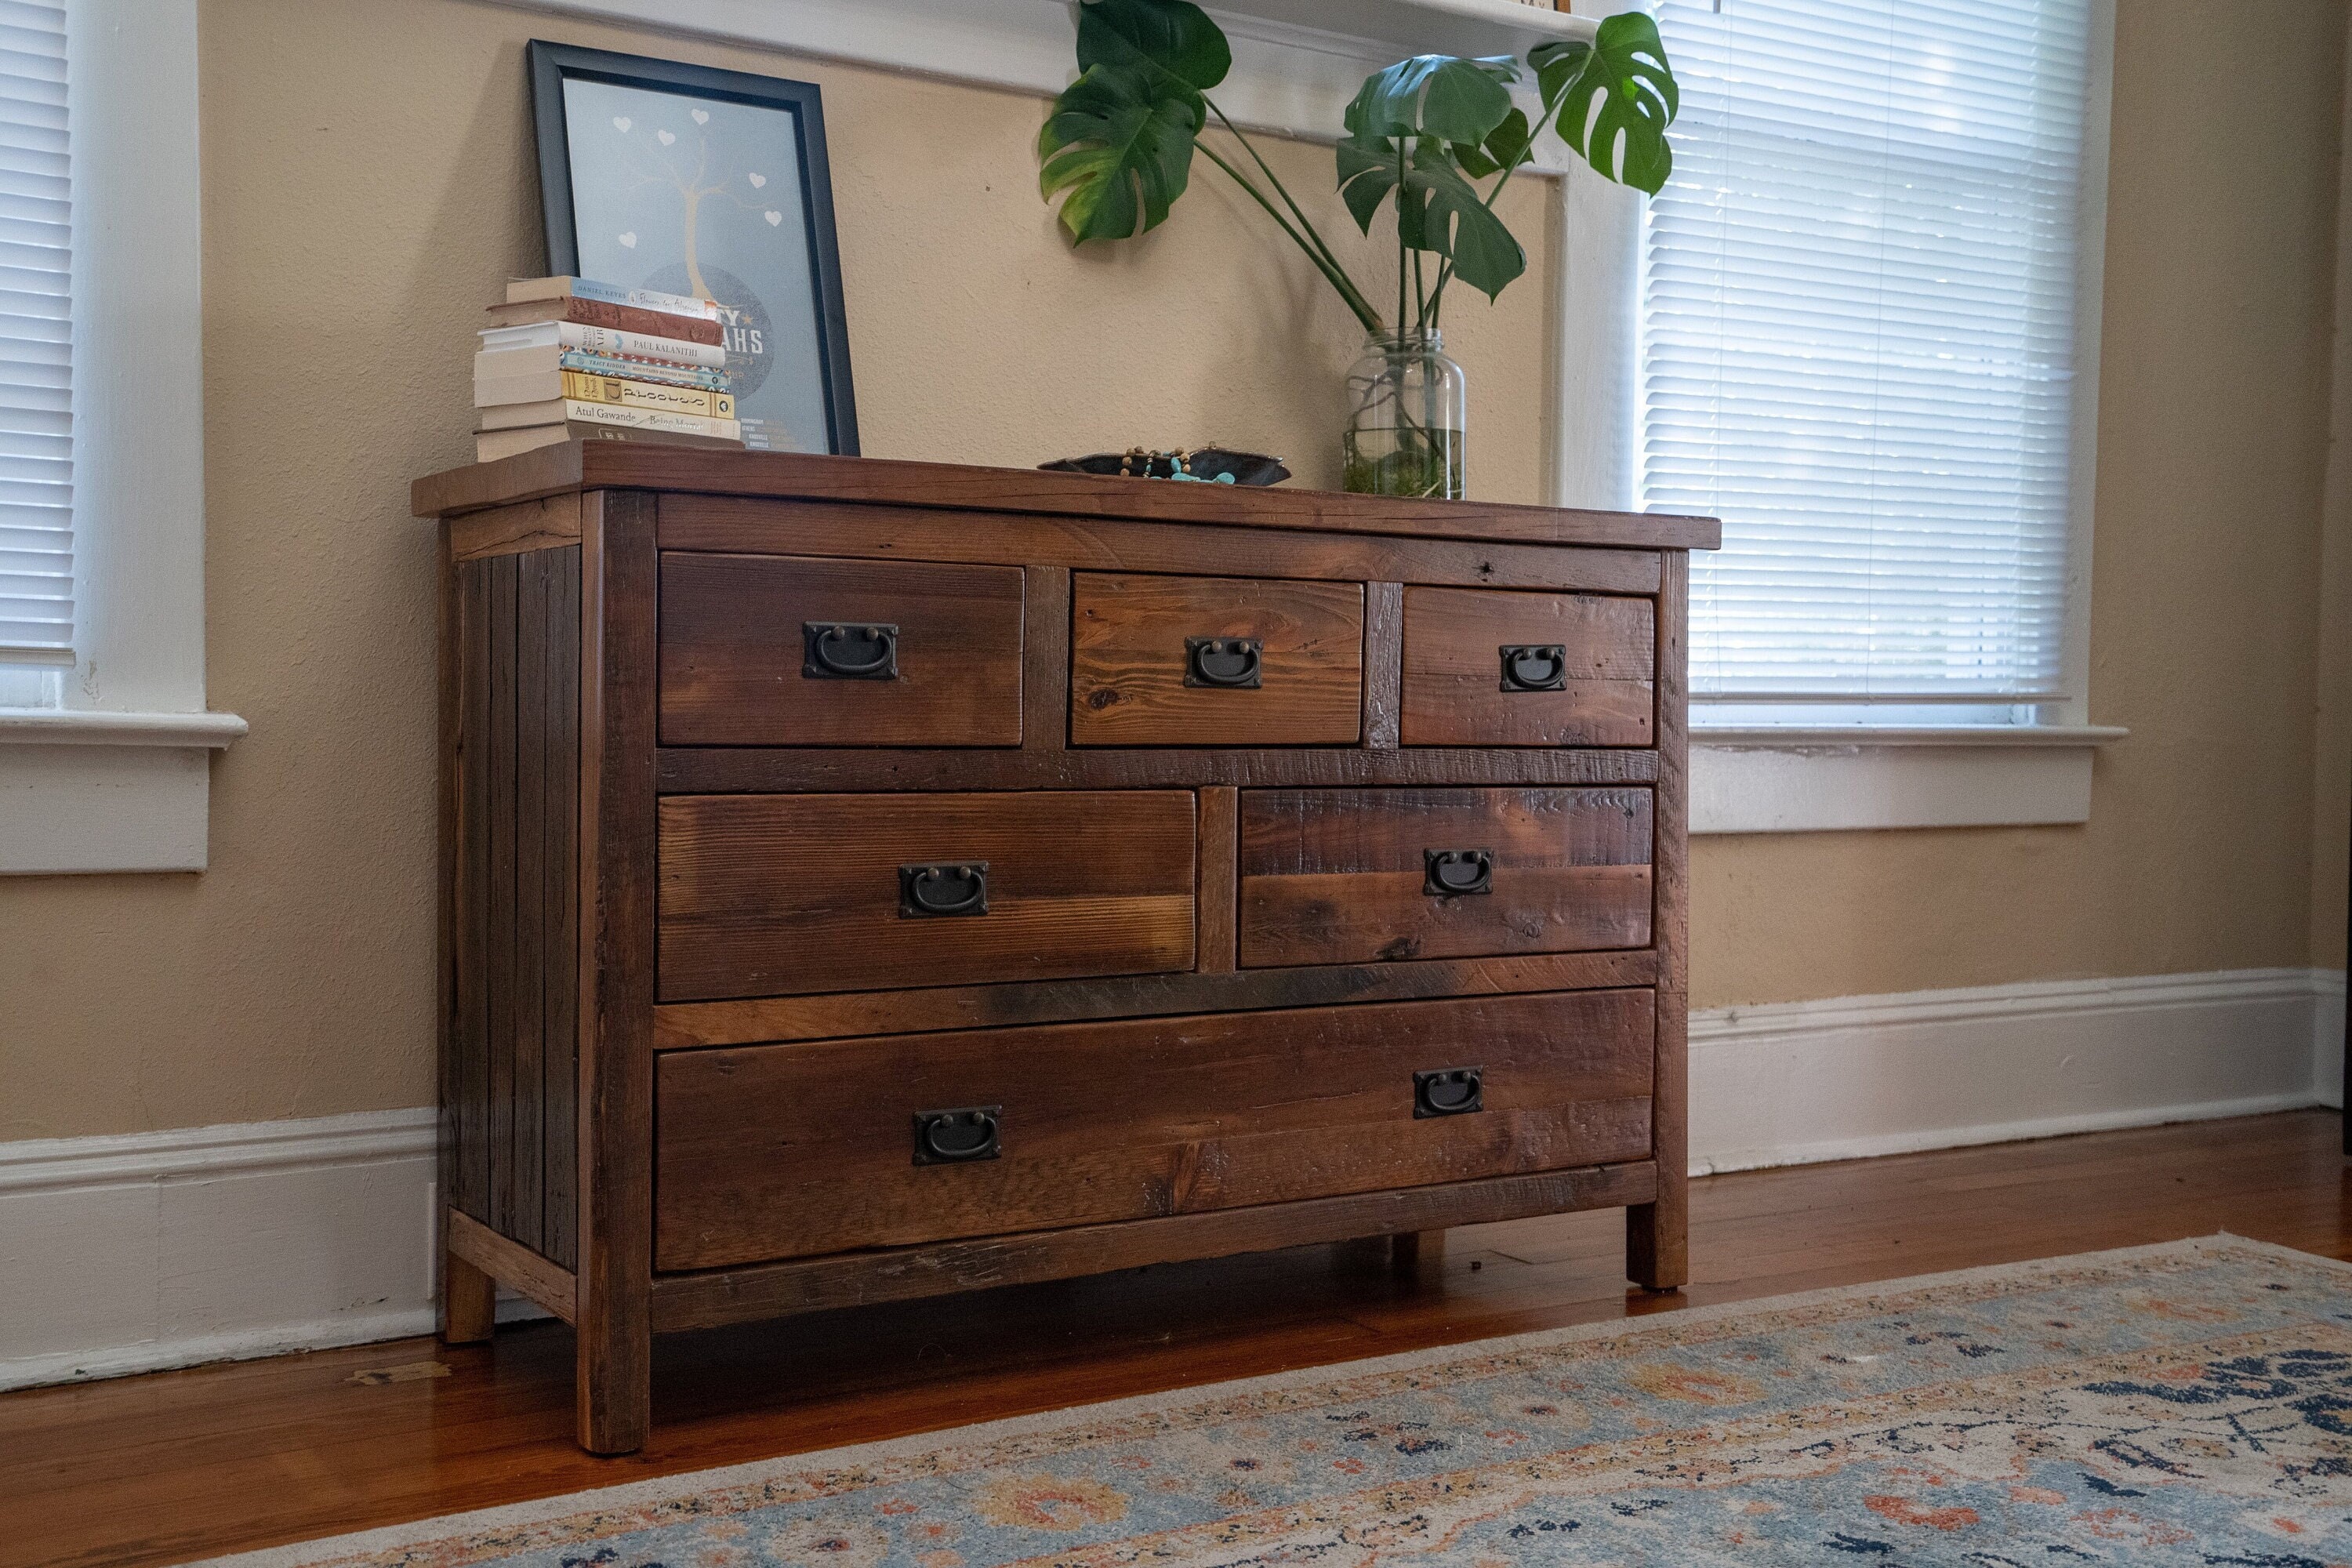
x: 577, y: 466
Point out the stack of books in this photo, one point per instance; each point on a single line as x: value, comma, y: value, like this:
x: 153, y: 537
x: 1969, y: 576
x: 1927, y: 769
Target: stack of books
x: 570, y: 358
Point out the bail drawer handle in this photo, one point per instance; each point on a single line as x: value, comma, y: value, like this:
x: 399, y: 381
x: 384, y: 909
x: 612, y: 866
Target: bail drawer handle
x: 849, y: 651
x: 958, y: 887
x: 1232, y: 662
x: 1448, y: 1091
x: 1534, y: 666
x: 957, y: 1137
x: 1456, y: 873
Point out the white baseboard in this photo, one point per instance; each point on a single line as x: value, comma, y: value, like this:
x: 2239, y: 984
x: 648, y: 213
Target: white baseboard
x: 132, y: 1254
x: 1799, y: 1082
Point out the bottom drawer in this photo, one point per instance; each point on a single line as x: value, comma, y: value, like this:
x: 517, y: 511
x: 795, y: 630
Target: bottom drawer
x: 770, y: 1151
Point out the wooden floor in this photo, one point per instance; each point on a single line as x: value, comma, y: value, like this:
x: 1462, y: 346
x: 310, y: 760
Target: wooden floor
x: 180, y: 1465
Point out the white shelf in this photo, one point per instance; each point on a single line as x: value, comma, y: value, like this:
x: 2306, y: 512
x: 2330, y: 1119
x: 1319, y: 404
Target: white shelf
x: 1296, y: 62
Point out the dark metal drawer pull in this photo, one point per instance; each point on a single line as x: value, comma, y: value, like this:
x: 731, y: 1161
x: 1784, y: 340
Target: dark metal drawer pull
x: 958, y: 889
x: 1534, y: 666
x: 1454, y: 873
x: 1449, y: 1091
x: 1223, y: 661
x: 849, y: 651
x: 957, y: 1137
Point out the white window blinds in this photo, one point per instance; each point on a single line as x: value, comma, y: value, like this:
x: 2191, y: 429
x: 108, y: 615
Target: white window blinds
x: 1857, y: 342
x: 36, y: 607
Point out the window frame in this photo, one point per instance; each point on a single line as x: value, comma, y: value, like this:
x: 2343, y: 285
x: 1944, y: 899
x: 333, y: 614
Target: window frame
x: 1850, y: 770
x: 107, y: 769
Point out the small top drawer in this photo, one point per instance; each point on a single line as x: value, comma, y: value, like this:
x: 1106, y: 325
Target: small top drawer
x: 784, y: 650
x: 783, y: 895
x: 1498, y: 667
x: 1215, y: 661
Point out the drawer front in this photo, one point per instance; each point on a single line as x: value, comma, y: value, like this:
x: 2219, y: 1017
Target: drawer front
x: 1495, y: 668
x: 786, y: 895
x: 1288, y: 667
x: 1355, y: 876
x: 784, y: 650
x: 787, y: 1150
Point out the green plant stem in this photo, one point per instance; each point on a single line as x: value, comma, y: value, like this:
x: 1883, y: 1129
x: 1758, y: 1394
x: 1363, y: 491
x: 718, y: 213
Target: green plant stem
x: 1397, y: 201
x: 1419, y: 298
x: 1354, y: 296
x: 1446, y: 272
x: 1332, y: 274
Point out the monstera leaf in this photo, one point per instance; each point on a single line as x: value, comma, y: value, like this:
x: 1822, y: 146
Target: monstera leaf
x: 1171, y: 44
x: 1119, y: 153
x: 1437, y: 208
x: 1117, y: 145
x: 1444, y: 96
x: 1616, y: 97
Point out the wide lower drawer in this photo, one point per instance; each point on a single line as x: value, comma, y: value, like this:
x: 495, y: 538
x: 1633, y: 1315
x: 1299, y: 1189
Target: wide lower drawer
x: 788, y: 894
x: 1355, y: 876
x: 787, y: 1150
x: 1215, y: 661
x: 784, y: 651
x: 1491, y: 667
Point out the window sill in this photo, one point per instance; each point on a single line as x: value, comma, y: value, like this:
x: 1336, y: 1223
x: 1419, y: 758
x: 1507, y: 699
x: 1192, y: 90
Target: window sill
x: 1851, y: 777
x: 89, y: 792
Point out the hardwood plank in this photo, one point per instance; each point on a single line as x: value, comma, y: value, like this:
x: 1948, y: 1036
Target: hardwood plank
x: 550, y: 523
x: 528, y: 1151
x: 614, y: 1128
x: 561, y: 1063
x: 716, y: 472
x: 1217, y: 897
x: 1130, y: 684
x: 756, y: 1020
x: 778, y: 1150
x: 1383, y: 663
x: 722, y: 771
x: 1453, y: 694
x: 141, y: 1472
x: 1341, y: 876
x: 734, y: 663
x: 513, y: 1264
x: 776, y: 894
x: 1103, y: 544
x: 471, y: 1189
x: 1046, y: 659
x: 499, y: 936
x: 1657, y: 1233
x: 708, y: 1300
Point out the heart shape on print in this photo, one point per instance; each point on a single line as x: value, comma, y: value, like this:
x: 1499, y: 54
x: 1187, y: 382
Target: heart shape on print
x: 630, y: 239
x: 773, y: 218
x: 701, y: 117
x: 665, y: 138
x: 621, y: 123
x: 758, y: 182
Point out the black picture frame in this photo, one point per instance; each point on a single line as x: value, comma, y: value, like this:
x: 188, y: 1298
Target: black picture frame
x: 552, y: 64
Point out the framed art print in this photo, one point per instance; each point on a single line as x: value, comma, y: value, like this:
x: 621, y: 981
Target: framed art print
x: 713, y: 183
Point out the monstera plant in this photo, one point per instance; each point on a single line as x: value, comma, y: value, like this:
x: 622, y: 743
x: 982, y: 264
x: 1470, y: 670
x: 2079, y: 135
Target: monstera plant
x: 1432, y: 140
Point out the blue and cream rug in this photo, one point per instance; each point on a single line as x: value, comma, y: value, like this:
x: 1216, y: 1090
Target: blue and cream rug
x: 2190, y: 1404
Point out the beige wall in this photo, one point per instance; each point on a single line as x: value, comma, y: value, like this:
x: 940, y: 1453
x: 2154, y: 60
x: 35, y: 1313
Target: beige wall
x: 368, y: 185
x: 2332, y: 794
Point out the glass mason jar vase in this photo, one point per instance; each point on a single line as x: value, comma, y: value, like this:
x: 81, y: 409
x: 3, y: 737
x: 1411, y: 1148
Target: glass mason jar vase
x: 1408, y: 410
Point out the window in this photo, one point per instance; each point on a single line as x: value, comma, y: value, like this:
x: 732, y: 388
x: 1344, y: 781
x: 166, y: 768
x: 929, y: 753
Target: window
x: 1857, y: 346
x: 37, y: 580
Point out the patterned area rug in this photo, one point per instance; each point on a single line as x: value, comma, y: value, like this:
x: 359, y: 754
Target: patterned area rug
x: 2176, y: 1404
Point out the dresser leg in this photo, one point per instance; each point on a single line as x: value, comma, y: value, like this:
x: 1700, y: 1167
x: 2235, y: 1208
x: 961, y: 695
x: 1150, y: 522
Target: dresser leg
x: 1657, y: 1248
x: 469, y: 1302
x: 1410, y: 1250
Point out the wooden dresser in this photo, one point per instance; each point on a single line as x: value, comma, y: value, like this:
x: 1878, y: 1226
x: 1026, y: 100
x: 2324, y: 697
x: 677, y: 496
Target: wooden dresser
x: 863, y: 881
